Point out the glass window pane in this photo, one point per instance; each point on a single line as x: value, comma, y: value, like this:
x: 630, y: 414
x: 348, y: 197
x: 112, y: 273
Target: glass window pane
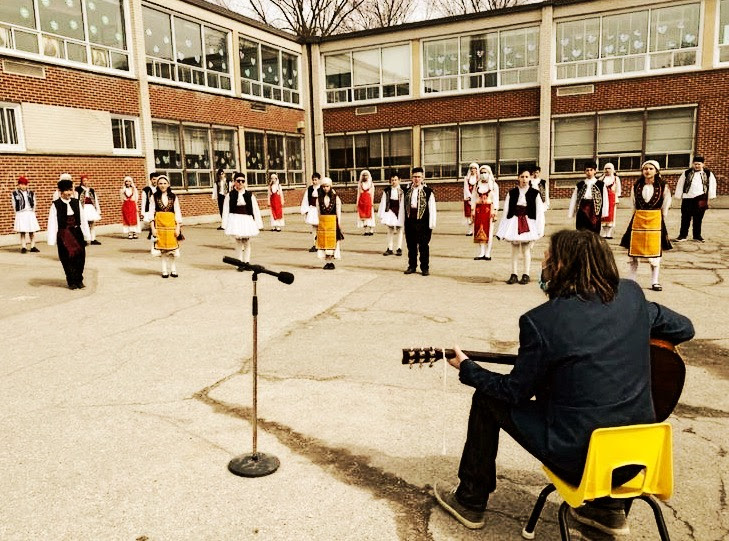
x: 573, y: 137
x: 269, y: 65
x: 290, y: 70
x: 339, y: 155
x: 117, y: 133
x: 62, y: 17
x: 441, y: 58
x: 338, y: 71
x: 166, y: 146
x: 670, y: 131
x: 130, y: 134
x: 723, y: 23
x: 478, y: 143
x: 675, y: 27
x: 275, y: 152
x: 106, y: 22
x: 188, y: 42
x: 398, y: 147
x: 294, y: 159
x: 216, y: 50
x: 439, y: 145
x: 249, y: 62
x: 578, y: 40
x: 620, y: 133
x: 20, y: 12
x: 519, y: 48
x: 624, y: 34
x: 395, y: 64
x: 366, y: 67
x: 224, y: 151
x: 519, y: 140
x: 157, y: 33
x: 197, y: 148
x: 479, y: 53
x: 254, y: 150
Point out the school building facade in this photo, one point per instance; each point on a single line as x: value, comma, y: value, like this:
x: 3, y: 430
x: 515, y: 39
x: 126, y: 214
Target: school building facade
x: 117, y: 87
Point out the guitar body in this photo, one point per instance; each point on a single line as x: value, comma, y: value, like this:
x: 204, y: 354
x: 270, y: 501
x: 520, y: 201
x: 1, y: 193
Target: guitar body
x: 668, y: 371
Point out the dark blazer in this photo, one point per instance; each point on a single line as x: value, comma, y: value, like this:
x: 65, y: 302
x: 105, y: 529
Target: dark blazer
x: 588, y: 366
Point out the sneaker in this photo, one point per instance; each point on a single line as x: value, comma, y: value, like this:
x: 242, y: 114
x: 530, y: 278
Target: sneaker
x: 409, y: 270
x: 447, y: 499
x: 165, y: 275
x: 699, y: 239
x: 174, y: 274
x: 657, y: 287
x: 512, y: 279
x: 80, y: 285
x: 399, y: 251
x: 524, y: 279
x: 487, y: 258
x: 24, y: 250
x: 34, y: 250
x: 387, y: 252
x: 221, y: 228
x: 609, y: 521
x: 95, y: 242
x: 679, y: 239
x: 312, y: 249
x: 426, y: 272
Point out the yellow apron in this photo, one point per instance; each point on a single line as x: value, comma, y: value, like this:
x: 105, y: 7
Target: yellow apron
x: 166, y: 238
x: 326, y: 232
x: 645, y: 234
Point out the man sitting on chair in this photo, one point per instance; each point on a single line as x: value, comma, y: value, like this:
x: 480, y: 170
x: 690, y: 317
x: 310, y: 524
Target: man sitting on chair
x: 584, y: 355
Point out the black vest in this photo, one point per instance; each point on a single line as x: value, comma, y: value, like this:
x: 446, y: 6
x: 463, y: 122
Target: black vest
x: 531, y: 201
x: 424, y: 213
x: 170, y: 201
x: 687, y: 179
x: 150, y: 193
x: 92, y: 193
x: 233, y: 203
x: 656, y: 202
x: 332, y: 208
x: 19, y: 200
x: 62, y: 215
x: 310, y: 194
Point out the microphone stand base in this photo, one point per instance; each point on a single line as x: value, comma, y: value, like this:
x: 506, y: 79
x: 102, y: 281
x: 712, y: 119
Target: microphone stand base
x: 254, y: 465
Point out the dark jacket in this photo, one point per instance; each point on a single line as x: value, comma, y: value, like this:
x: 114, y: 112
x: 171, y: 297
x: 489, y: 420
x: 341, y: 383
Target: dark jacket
x: 588, y: 365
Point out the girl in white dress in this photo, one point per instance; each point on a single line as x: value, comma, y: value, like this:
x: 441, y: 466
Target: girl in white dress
x: 614, y: 191
x: 241, y: 217
x: 92, y: 211
x: 469, y: 182
x: 26, y: 222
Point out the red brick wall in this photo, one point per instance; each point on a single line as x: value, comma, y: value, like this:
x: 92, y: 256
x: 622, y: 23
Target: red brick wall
x: 443, y: 110
x: 185, y: 105
x: 106, y: 174
x: 73, y: 88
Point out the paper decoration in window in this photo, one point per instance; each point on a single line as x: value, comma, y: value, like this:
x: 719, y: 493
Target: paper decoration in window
x: 662, y: 29
x: 93, y: 29
x: 69, y: 3
x: 104, y: 20
x: 166, y: 40
x: 564, y: 42
x: 188, y: 43
x: 53, y: 25
x: 148, y: 31
x: 91, y: 6
x: 638, y: 45
x: 46, y: 3
x: 689, y: 38
x: 73, y: 24
x: 24, y: 13
x: 609, y: 49
x: 155, y: 49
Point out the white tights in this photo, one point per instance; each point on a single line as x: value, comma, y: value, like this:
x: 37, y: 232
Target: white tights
x: 243, y: 250
x: 391, y: 232
x: 173, y: 267
x: 633, y: 274
x: 521, y: 250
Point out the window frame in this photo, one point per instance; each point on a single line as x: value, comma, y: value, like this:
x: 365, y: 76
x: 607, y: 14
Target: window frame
x: 285, y: 175
x: 127, y: 151
x: 18, y: 123
x: 718, y: 46
x: 259, y: 82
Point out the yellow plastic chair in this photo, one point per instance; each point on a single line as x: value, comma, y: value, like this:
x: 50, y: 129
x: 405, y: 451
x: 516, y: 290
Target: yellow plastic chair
x: 649, y: 446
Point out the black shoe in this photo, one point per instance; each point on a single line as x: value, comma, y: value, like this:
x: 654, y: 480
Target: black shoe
x: 174, y: 275
x: 149, y: 236
x: 486, y: 258
x: 312, y: 249
x: 469, y: 234
x: 165, y: 275
x: 95, y: 243
x: 398, y: 252
x: 221, y: 228
x: 478, y: 258
x: 609, y: 521
x: 24, y: 250
x: 512, y: 279
x: 657, y: 287
x: 446, y: 497
x: 426, y: 272
x: 409, y: 270
x: 524, y: 279
x: 679, y: 239
x: 72, y: 286
x: 34, y: 249
x: 80, y: 285
x: 387, y: 252
x: 699, y: 239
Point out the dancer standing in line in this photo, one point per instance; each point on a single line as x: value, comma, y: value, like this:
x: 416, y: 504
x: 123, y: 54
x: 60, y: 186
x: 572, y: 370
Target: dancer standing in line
x: 329, y: 234
x: 391, y: 207
x: 614, y: 191
x: 366, y: 203
x: 146, y: 206
x: 166, y: 222
x: 129, y: 196
x: 588, y: 204
x: 309, y: 206
x: 695, y: 187
x: 647, y: 235
x: 485, y: 206
x: 522, y: 223
x: 538, y: 183
x: 69, y: 230
x: 469, y: 183
x: 92, y: 211
x: 241, y: 217
x: 276, y: 203
x: 26, y: 222
x: 221, y: 188
x: 419, y: 220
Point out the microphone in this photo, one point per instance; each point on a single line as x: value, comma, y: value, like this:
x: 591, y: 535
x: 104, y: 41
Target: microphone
x: 285, y: 277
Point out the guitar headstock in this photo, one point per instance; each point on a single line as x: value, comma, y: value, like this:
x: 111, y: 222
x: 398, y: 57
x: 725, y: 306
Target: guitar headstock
x: 421, y: 356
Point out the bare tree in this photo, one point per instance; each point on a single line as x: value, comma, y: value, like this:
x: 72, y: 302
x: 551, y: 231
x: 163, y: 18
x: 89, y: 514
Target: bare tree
x: 382, y: 13
x: 306, y: 18
x: 448, y: 8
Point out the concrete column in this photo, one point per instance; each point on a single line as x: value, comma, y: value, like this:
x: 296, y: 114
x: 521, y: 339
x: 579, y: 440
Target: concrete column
x: 415, y: 63
x: 546, y: 53
x: 233, y: 51
x: 709, y: 34
x: 138, y: 58
x: 417, y: 141
x: 314, y: 131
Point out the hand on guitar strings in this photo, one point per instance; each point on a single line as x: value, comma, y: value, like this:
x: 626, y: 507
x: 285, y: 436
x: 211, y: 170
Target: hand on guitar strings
x: 456, y: 361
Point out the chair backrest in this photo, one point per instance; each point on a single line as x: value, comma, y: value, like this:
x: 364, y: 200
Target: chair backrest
x: 649, y: 446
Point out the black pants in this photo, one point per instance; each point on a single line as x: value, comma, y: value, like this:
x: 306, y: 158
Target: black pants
x: 221, y: 200
x: 73, y: 266
x: 417, y: 238
x: 690, y: 209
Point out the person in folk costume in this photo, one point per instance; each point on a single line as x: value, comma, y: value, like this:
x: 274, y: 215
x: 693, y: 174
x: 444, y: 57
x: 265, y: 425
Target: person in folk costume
x: 469, y: 182
x: 87, y: 195
x: 366, y: 203
x: 485, y: 206
x: 538, y: 183
x: 419, y: 220
x: 146, y: 205
x: 694, y: 188
x: 276, y: 203
x: 69, y: 230
x: 588, y: 204
x: 390, y: 213
x: 26, y: 222
x: 614, y: 191
x: 241, y: 217
x: 647, y: 236
x: 522, y: 223
x: 166, y: 222
x: 62, y: 176
x: 309, y: 206
x: 129, y: 196
x: 221, y: 188
x: 329, y: 233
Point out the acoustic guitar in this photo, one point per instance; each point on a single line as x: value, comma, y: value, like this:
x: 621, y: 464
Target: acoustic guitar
x: 668, y: 371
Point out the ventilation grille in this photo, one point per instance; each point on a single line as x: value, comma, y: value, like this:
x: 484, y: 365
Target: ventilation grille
x: 366, y: 110
x: 575, y: 90
x: 260, y: 107
x: 22, y: 68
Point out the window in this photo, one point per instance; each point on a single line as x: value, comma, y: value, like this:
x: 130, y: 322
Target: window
x: 224, y: 150
x: 478, y: 144
x: 440, y: 151
x: 382, y: 153
x: 368, y: 74
x: 197, y: 156
x: 11, y: 136
x: 124, y: 134
x: 487, y: 60
x: 268, y: 72
x: 167, y: 153
x: 88, y: 32
x: 185, y: 51
x: 724, y: 31
x: 268, y: 153
x: 626, y: 139
x: 630, y: 42
x: 518, y: 146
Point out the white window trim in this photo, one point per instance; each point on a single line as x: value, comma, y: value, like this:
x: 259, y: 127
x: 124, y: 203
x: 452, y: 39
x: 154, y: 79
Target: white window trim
x: 20, y: 146
x: 137, y: 134
x: 262, y: 99
x: 717, y: 34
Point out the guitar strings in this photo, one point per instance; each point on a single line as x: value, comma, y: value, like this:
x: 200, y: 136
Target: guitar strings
x: 445, y: 402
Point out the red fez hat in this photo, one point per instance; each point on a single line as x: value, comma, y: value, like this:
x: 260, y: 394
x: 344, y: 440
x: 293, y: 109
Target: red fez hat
x: 22, y: 180
x: 83, y: 176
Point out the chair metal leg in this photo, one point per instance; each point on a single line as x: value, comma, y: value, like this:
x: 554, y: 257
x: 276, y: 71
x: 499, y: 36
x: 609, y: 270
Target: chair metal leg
x: 628, y: 504
x: 564, y: 530
x: 658, y: 514
x: 528, y: 531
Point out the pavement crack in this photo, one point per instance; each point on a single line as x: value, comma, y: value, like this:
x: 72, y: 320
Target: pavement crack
x: 688, y: 525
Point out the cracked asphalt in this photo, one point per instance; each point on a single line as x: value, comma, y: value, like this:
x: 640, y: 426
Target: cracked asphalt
x: 122, y: 404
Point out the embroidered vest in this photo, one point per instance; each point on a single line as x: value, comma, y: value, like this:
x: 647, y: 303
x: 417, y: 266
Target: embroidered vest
x: 235, y: 208
x: 62, y: 215
x: 310, y: 195
x: 332, y: 207
x: 596, y: 194
x: 392, y: 204
x: 170, y: 201
x: 655, y: 202
x: 531, y: 201
x: 423, y: 198
x: 688, y: 179
x: 19, y: 200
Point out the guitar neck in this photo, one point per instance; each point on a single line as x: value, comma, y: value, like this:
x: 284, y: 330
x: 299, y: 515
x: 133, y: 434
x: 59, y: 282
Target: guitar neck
x: 485, y: 356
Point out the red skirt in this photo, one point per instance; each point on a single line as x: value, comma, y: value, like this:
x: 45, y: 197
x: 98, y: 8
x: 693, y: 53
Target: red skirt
x: 276, y: 207
x: 482, y: 223
x: 129, y: 212
x: 611, y: 206
x: 467, y: 208
x: 364, y: 205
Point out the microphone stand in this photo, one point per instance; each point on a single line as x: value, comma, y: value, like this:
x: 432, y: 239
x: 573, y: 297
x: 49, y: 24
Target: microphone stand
x: 254, y: 464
